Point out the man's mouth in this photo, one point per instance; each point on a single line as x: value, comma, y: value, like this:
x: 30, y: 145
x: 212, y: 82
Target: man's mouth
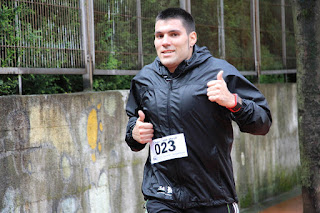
x: 167, y: 51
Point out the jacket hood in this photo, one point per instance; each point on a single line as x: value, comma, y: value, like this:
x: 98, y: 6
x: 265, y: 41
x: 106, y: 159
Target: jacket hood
x: 199, y: 55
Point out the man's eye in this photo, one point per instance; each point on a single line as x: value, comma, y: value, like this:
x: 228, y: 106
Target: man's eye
x: 159, y: 36
x: 174, y: 34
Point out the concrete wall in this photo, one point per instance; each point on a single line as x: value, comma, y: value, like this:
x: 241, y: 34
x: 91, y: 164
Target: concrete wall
x: 266, y: 166
x: 66, y: 153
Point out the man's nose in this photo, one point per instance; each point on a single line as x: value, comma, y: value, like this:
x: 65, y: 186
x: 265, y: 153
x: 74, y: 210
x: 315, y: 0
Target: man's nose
x: 166, y: 40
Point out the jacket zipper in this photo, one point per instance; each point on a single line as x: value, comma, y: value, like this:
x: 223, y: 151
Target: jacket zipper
x: 176, y: 163
x: 168, y: 106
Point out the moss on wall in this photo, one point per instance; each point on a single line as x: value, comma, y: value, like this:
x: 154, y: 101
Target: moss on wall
x: 284, y: 181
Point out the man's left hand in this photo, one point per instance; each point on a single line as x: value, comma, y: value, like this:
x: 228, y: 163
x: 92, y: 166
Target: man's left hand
x: 218, y: 92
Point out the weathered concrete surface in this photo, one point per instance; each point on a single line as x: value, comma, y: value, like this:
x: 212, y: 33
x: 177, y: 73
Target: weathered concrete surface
x: 266, y: 166
x: 66, y: 153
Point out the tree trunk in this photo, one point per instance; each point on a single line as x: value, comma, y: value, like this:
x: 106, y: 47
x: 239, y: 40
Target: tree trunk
x: 306, y: 15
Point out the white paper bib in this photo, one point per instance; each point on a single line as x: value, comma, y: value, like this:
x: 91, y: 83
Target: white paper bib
x: 167, y: 148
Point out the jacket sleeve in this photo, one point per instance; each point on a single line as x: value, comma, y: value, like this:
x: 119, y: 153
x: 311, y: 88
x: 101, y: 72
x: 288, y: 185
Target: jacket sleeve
x: 254, y: 117
x: 132, y: 109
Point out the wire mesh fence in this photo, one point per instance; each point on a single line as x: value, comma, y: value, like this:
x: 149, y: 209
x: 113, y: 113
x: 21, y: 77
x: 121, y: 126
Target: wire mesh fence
x: 41, y: 34
x: 117, y: 32
x: 227, y: 31
x: 49, y: 33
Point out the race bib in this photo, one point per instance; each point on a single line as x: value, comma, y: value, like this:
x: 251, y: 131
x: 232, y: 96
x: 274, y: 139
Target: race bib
x: 167, y: 148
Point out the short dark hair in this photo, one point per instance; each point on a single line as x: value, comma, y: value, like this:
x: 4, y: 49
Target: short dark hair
x: 178, y: 13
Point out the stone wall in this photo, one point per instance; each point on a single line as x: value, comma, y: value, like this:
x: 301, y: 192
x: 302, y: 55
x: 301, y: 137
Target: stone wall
x: 66, y: 153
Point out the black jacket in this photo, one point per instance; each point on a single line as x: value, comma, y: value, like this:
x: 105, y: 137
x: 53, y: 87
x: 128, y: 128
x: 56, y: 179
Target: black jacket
x: 178, y: 103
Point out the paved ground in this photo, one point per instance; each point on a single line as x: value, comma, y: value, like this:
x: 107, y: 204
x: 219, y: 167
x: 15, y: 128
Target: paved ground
x: 293, y: 205
x: 289, y: 202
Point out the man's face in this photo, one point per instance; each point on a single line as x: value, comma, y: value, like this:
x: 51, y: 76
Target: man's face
x: 172, y: 43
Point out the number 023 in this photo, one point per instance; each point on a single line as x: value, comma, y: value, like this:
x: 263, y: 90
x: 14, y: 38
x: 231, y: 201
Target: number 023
x: 165, y: 147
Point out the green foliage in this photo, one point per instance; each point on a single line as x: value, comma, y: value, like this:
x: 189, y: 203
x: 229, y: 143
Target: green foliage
x: 8, y: 34
x: 116, y: 41
x: 40, y: 84
x: 272, y: 79
x: 8, y: 85
x: 51, y: 84
x: 102, y: 83
x: 269, y: 79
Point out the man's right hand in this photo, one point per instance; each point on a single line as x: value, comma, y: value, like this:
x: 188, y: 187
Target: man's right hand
x: 142, y: 131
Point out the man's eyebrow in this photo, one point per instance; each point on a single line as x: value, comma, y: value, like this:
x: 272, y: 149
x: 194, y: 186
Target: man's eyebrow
x: 171, y: 31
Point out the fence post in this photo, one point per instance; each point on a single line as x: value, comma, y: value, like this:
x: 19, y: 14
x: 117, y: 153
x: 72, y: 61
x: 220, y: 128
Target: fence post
x: 139, y: 23
x: 186, y: 5
x: 18, y: 30
x: 283, y: 29
x: 221, y: 32
x: 255, y: 26
x: 87, y: 21
x: 284, y: 40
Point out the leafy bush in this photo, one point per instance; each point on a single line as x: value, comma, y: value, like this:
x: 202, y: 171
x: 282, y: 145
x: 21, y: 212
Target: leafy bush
x: 8, y: 85
x: 51, y: 84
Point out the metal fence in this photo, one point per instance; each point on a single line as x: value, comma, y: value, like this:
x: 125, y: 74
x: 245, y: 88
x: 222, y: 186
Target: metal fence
x: 115, y: 37
x: 124, y: 34
x: 40, y: 34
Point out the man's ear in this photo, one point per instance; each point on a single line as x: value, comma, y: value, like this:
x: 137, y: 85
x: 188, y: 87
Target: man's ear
x: 192, y: 38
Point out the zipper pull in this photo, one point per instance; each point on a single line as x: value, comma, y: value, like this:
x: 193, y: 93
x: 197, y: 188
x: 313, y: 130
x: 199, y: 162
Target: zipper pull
x: 167, y: 78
